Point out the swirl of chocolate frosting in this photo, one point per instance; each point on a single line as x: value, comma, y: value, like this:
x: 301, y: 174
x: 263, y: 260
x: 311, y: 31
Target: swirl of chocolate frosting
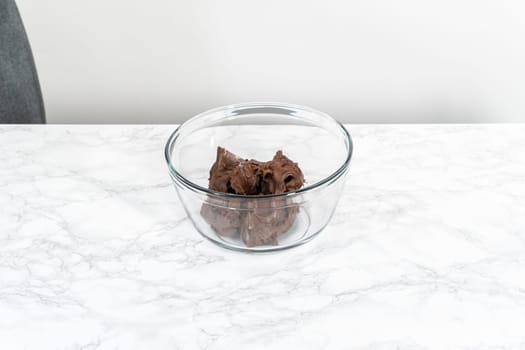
x: 256, y: 225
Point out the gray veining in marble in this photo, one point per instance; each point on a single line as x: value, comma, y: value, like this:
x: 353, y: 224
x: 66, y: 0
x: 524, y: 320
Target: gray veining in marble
x: 426, y: 249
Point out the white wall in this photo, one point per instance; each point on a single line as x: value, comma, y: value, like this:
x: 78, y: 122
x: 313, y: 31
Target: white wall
x: 130, y: 61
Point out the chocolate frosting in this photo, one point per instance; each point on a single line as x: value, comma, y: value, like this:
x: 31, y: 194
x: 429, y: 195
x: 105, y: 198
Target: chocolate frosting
x: 280, y: 175
x: 262, y: 226
x: 221, y: 170
x: 224, y: 220
x: 255, y: 223
x: 245, y: 178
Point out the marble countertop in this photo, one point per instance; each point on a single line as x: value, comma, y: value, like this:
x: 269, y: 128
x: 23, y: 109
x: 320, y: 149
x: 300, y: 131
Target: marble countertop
x: 426, y: 249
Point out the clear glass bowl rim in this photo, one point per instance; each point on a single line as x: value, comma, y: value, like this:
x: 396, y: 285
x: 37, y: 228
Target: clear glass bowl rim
x: 203, y: 190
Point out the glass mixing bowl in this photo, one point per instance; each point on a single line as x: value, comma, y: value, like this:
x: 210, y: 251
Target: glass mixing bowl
x: 319, y: 144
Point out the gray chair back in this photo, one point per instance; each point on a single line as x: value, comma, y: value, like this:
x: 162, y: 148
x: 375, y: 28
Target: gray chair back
x: 20, y: 95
